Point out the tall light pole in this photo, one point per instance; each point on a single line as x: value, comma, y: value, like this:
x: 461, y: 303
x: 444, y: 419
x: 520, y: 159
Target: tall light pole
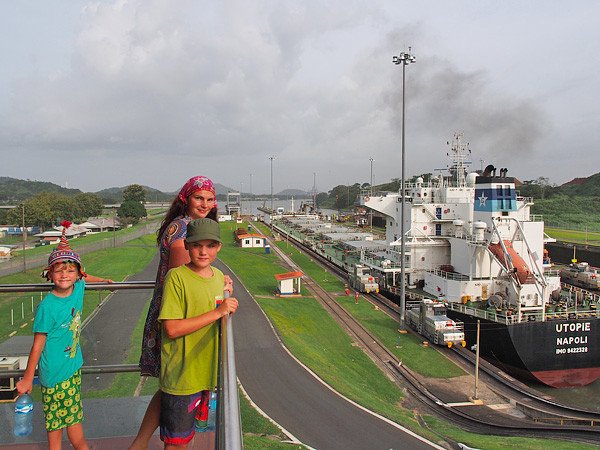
x: 371, y: 195
x: 314, y: 189
x: 272, y: 158
x: 404, y: 58
x: 241, y: 195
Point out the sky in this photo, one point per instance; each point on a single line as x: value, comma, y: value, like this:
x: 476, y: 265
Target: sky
x: 109, y: 93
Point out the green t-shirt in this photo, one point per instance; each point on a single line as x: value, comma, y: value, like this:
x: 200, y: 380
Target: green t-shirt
x: 189, y: 363
x: 60, y: 319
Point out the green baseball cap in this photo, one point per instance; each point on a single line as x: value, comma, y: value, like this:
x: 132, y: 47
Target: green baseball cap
x: 201, y: 229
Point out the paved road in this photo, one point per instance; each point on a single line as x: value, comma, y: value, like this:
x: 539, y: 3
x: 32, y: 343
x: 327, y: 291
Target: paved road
x: 106, y: 339
x: 292, y: 397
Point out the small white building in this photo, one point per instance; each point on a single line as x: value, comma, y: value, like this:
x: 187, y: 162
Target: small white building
x: 246, y: 239
x: 250, y: 240
x: 53, y: 236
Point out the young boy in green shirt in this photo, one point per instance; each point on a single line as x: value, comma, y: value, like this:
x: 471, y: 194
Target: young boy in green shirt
x: 190, y: 334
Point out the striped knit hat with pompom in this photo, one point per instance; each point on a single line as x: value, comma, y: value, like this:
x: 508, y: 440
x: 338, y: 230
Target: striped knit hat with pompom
x: 63, y: 252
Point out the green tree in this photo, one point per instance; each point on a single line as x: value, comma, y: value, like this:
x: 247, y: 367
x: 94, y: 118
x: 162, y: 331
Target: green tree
x: 538, y: 188
x: 87, y: 205
x: 130, y: 212
x: 322, y: 198
x: 345, y: 196
x: 42, y: 209
x: 134, y: 192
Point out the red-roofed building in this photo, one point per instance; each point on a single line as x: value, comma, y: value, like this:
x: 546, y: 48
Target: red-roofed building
x: 248, y: 240
x: 289, y: 283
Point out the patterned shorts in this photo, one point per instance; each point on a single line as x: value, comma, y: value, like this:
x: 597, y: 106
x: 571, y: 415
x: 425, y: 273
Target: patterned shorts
x: 62, y: 403
x: 179, y: 414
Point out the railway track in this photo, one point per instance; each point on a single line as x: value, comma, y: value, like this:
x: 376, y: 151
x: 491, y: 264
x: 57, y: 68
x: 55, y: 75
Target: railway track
x: 565, y: 422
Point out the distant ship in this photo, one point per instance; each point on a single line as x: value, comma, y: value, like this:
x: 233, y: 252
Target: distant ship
x: 472, y: 242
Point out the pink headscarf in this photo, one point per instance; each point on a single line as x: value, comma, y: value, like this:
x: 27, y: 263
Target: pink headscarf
x: 199, y: 183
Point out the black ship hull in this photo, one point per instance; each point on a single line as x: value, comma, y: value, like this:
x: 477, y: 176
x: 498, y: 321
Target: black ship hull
x: 558, y: 353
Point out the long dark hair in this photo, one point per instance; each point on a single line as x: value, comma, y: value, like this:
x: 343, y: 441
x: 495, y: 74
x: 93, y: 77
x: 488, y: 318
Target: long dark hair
x: 177, y: 209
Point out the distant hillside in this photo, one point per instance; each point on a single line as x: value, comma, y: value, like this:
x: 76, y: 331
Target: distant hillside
x: 115, y: 194
x: 297, y: 193
x: 13, y: 190
x: 587, y: 187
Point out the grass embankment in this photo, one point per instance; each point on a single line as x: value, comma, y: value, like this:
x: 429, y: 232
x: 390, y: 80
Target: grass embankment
x: 312, y: 335
x: 574, y: 236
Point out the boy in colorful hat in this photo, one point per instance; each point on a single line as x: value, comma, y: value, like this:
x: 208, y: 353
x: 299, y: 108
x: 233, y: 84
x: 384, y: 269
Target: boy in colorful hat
x: 56, y: 329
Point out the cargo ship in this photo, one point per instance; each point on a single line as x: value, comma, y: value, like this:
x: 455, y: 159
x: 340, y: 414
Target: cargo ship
x: 472, y: 243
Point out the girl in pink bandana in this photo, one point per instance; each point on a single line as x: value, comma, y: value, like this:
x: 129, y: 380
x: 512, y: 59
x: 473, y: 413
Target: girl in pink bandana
x: 197, y: 199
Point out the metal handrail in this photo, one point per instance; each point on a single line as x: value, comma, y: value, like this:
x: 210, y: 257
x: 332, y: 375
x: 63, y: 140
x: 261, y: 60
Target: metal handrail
x: 228, y: 437
x: 40, y: 287
x: 108, y: 368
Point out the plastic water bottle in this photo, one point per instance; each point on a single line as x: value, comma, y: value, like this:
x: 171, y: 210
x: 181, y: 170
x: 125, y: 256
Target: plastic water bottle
x: 212, y: 411
x: 23, y: 416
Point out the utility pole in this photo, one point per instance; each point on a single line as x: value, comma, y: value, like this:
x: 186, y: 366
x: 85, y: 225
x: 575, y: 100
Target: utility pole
x: 271, y: 158
x: 404, y: 58
x: 114, y: 233
x: 23, y: 234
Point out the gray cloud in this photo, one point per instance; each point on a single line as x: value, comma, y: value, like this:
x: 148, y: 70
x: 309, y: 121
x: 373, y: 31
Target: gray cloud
x: 159, y: 91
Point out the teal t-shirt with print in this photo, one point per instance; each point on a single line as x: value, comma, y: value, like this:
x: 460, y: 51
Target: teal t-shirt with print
x: 60, y: 319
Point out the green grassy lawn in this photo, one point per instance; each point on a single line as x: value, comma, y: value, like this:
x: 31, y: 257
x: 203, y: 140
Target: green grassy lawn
x: 320, y: 275
x: 577, y: 237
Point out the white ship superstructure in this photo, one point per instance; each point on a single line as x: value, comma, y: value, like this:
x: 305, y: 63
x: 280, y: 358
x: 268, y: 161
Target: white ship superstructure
x: 469, y: 237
